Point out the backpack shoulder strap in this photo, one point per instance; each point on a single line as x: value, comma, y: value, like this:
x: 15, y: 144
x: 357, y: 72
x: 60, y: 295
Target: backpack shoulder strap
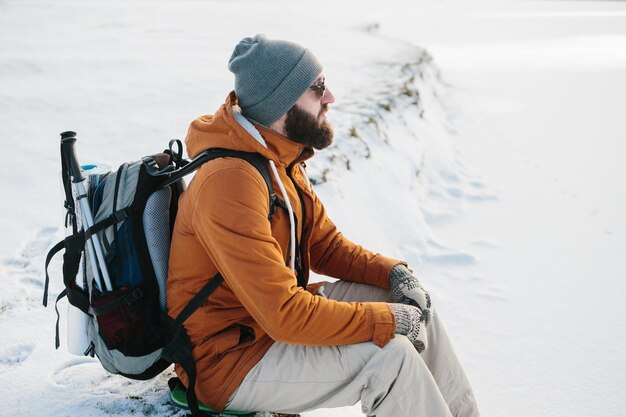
x: 255, y: 159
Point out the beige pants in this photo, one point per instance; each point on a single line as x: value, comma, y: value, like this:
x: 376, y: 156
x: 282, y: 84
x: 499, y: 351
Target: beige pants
x: 394, y: 381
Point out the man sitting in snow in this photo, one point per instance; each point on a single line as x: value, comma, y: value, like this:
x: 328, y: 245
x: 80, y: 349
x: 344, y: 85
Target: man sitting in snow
x: 267, y: 339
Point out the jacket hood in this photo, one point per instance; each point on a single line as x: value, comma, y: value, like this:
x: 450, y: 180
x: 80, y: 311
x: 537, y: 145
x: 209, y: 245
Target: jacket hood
x: 222, y: 130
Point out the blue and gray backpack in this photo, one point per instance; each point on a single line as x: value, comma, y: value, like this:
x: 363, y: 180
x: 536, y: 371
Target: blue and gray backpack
x: 134, y: 209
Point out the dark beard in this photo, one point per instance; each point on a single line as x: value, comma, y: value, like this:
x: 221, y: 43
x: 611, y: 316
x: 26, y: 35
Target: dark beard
x: 304, y: 128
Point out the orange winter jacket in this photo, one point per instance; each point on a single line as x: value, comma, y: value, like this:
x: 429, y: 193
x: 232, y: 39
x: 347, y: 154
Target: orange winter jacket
x: 222, y: 225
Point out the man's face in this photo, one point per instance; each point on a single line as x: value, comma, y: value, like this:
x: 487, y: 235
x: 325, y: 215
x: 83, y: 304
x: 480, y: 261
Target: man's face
x: 306, y: 121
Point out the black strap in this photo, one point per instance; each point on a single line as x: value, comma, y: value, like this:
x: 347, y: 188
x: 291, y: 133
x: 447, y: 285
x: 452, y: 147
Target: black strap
x: 198, y: 299
x: 74, y: 246
x: 276, y: 201
x: 77, y: 299
x: 255, y: 159
x: 70, y: 217
x: 189, y: 365
x: 55, y: 249
x: 179, y: 348
x: 114, y: 218
x: 57, y: 341
x: 66, y: 177
x: 300, y: 276
x: 176, y: 156
x: 260, y: 163
x: 118, y: 180
x: 173, y: 384
x: 129, y: 298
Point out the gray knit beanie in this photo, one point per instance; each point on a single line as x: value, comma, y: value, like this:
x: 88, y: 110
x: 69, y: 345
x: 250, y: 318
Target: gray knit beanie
x: 270, y: 76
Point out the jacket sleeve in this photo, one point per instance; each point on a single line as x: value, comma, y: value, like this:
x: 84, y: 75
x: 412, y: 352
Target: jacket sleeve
x: 236, y: 233
x: 334, y: 255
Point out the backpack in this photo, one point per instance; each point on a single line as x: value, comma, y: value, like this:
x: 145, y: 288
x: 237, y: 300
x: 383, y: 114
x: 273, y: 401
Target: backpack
x: 124, y: 251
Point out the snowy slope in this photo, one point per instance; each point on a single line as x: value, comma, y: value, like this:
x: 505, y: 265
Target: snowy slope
x: 495, y: 171
x: 541, y: 87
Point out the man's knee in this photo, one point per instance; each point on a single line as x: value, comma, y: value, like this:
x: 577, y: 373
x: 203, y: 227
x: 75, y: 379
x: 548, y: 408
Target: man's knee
x: 401, y: 347
x: 400, y: 342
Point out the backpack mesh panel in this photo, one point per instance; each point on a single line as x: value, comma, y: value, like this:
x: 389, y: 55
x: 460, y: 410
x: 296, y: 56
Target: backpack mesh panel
x: 156, y: 223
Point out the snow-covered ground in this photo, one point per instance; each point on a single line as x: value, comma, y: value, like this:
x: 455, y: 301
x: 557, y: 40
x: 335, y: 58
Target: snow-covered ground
x: 496, y: 169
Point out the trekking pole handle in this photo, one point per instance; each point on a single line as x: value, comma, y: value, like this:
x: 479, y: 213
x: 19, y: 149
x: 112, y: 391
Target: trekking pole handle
x: 68, y: 142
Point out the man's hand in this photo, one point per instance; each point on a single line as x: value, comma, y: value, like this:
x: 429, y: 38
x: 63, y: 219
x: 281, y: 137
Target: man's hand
x: 410, y: 322
x: 406, y: 289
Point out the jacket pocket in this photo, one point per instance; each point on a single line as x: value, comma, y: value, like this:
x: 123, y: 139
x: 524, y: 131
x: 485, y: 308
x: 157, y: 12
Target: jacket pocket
x: 235, y: 337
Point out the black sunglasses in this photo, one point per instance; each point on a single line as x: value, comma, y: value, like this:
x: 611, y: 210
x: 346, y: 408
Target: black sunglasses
x: 320, y: 89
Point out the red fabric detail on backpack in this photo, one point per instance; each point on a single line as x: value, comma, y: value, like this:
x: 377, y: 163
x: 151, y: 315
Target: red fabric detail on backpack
x: 123, y: 327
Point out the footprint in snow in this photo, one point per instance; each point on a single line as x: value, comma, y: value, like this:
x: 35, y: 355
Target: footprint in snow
x: 79, y: 371
x: 40, y: 244
x: 15, y: 355
x: 25, y: 270
x: 15, y: 263
x: 27, y: 257
x: 32, y: 282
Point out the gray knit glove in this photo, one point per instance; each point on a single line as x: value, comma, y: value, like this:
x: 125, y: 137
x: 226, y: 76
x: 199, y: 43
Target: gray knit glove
x: 410, y: 322
x: 406, y: 289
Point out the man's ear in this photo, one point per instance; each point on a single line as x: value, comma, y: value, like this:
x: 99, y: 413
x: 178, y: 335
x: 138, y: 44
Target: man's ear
x: 279, y: 125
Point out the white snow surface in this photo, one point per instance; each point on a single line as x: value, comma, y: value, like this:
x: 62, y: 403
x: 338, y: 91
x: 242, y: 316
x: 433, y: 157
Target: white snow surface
x: 483, y: 142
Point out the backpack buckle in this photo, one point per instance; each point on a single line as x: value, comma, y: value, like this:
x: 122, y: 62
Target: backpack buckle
x: 119, y: 215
